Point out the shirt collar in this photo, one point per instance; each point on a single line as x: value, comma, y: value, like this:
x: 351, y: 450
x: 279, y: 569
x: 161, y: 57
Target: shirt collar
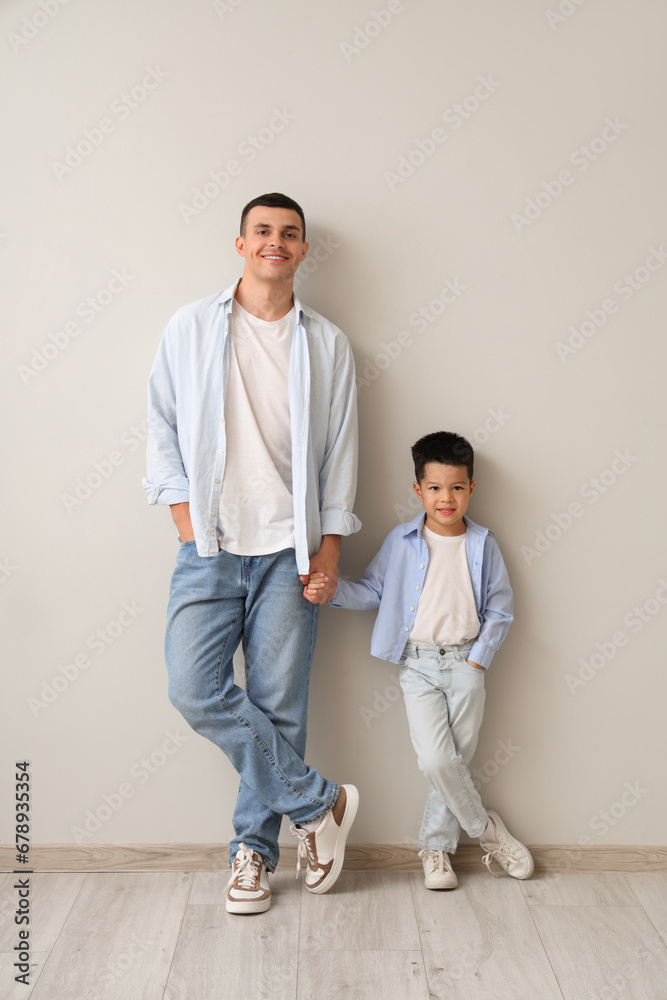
x: 417, y: 524
x: 230, y: 292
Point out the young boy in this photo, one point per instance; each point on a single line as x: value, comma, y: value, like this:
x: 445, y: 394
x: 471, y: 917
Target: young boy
x: 445, y: 606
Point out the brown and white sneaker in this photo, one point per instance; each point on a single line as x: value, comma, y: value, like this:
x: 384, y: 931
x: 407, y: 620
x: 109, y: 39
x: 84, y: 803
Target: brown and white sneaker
x: 324, y: 848
x: 248, y: 889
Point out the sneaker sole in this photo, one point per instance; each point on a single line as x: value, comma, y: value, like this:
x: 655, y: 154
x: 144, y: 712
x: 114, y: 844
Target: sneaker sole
x: 247, y: 905
x: 351, y: 806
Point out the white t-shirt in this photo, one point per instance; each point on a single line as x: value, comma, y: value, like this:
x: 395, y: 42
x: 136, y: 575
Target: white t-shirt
x: 256, y: 514
x: 446, y: 614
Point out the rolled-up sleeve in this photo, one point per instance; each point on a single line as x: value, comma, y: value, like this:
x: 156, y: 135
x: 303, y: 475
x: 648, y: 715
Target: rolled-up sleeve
x: 166, y: 481
x: 338, y: 473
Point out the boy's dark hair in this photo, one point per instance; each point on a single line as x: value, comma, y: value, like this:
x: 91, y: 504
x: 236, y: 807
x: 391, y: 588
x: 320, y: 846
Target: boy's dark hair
x: 273, y: 200
x: 445, y: 448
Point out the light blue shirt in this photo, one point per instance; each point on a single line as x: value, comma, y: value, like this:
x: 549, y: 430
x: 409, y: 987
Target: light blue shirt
x: 394, y: 579
x: 186, y: 427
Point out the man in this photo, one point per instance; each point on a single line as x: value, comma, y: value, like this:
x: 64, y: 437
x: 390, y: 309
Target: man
x: 253, y: 444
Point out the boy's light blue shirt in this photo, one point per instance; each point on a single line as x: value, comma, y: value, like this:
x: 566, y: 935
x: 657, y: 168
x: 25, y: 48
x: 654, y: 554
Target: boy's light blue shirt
x: 186, y: 428
x: 394, y: 579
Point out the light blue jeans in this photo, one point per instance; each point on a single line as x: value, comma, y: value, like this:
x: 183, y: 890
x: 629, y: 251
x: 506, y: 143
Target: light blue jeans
x: 214, y: 604
x: 444, y: 699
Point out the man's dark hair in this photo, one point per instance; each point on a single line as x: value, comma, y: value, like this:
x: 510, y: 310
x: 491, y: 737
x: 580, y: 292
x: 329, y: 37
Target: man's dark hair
x: 445, y: 448
x: 273, y: 200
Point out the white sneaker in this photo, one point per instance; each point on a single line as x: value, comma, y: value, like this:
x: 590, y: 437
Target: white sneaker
x: 438, y: 872
x: 513, y: 856
x: 324, y: 848
x: 248, y: 888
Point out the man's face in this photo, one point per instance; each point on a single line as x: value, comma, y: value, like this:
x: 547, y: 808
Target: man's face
x: 445, y: 493
x: 273, y: 244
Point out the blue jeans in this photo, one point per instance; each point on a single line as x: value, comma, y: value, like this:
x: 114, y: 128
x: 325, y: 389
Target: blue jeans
x: 214, y: 604
x: 444, y: 700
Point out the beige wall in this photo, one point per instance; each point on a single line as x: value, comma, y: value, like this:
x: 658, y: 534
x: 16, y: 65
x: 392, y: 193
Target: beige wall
x: 510, y: 102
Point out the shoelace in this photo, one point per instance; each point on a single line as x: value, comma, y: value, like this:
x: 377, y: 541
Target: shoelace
x: 435, y: 859
x: 503, y: 850
x: 304, y: 851
x: 247, y: 871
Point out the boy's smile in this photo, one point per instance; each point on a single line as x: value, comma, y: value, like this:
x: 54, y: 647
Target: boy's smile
x: 445, y: 492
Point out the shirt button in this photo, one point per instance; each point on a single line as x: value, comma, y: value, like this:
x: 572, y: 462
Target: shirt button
x: 421, y: 565
x: 417, y: 587
x: 412, y: 609
x: 217, y: 480
x: 221, y: 451
x: 406, y: 629
x: 212, y: 513
x: 222, y: 420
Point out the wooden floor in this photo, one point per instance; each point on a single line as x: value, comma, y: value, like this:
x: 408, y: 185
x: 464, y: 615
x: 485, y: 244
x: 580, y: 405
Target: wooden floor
x: 167, y: 936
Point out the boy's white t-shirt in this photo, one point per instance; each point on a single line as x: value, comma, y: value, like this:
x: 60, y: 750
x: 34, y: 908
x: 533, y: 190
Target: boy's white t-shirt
x: 256, y: 514
x: 446, y: 613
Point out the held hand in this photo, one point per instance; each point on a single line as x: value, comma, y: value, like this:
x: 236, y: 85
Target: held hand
x: 322, y: 579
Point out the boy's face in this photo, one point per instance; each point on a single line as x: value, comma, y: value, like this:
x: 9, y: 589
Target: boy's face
x: 445, y: 492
